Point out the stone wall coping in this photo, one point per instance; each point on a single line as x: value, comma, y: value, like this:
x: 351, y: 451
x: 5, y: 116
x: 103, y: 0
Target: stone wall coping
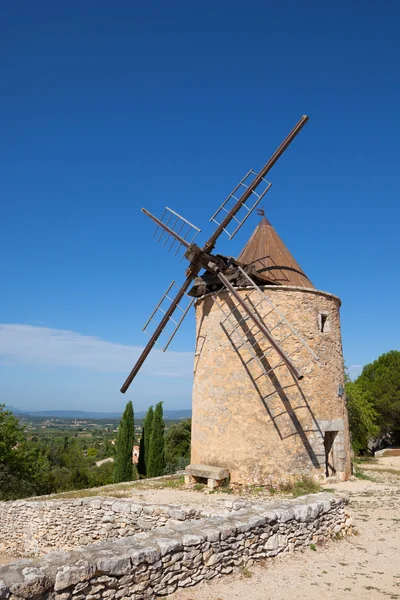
x: 92, y: 501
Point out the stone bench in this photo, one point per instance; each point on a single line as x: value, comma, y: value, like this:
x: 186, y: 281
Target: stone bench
x: 215, y: 475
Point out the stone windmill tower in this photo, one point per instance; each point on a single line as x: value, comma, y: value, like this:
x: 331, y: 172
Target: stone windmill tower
x: 257, y: 419
x: 268, y: 400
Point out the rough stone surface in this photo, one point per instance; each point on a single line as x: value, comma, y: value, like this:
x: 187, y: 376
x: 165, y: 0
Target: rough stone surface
x: 281, y: 422
x: 157, y: 562
x: 36, y: 527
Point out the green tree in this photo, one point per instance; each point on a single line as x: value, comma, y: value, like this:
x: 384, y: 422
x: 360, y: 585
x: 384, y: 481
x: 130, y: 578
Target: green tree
x: 145, y: 441
x: 23, y: 467
x: 381, y: 380
x: 362, y: 417
x: 123, y: 467
x: 77, y: 466
x: 177, y: 445
x: 156, y: 457
x: 92, y: 452
x: 102, y: 475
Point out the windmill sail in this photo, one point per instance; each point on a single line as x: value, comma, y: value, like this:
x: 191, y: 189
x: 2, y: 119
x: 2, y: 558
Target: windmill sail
x: 245, y: 209
x: 173, y: 225
x: 164, y: 321
x: 173, y: 229
x: 209, y: 246
x: 162, y: 308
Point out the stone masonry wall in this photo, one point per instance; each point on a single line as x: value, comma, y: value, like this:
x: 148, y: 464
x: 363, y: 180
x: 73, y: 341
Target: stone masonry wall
x: 29, y: 527
x: 157, y: 562
x: 281, y: 422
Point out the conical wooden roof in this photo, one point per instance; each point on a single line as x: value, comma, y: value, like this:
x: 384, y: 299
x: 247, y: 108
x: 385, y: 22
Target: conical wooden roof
x: 273, y: 261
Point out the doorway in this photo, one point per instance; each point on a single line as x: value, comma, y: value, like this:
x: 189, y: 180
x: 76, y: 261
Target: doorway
x: 329, y: 438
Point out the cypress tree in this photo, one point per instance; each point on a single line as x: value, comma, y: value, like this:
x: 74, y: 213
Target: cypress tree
x: 123, y: 467
x: 156, y: 457
x: 147, y: 427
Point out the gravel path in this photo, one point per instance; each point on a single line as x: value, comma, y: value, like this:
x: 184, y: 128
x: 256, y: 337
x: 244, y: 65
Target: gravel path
x: 365, y: 567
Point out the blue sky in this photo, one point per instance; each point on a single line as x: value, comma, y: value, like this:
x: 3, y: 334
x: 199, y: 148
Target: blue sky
x: 109, y: 106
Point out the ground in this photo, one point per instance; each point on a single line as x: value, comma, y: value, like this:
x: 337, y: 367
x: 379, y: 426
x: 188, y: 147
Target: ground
x: 365, y: 566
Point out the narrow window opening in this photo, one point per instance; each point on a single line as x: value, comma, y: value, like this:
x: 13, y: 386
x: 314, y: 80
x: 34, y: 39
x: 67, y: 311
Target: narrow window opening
x: 324, y: 323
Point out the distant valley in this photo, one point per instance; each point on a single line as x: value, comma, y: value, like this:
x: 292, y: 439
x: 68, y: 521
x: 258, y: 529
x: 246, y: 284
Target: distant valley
x: 173, y: 415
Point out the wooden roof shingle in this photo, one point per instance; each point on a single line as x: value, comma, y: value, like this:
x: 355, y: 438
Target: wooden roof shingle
x: 273, y: 261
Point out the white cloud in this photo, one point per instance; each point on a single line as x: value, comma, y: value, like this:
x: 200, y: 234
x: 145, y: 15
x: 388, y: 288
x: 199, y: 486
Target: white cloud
x: 29, y: 345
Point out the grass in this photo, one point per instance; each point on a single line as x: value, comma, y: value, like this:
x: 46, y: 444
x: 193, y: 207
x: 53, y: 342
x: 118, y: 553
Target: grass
x: 391, y: 471
x: 359, y: 460
x: 244, y: 571
x: 221, y: 490
x: 300, y: 487
x: 199, y: 487
x: 362, y: 475
x: 313, y: 547
x: 256, y: 489
x: 173, y: 483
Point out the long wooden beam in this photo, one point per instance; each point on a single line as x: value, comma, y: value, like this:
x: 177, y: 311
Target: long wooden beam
x: 209, y: 245
x: 261, y: 326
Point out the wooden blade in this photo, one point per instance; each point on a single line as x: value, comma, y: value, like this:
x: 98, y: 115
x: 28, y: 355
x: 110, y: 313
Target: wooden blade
x: 162, y: 308
x: 170, y: 231
x: 209, y: 246
x: 264, y: 330
x: 156, y: 334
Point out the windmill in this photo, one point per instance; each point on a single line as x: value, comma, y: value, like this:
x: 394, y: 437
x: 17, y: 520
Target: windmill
x: 223, y: 273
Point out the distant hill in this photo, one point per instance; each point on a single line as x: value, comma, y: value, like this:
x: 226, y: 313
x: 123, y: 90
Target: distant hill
x: 15, y: 410
x: 172, y: 415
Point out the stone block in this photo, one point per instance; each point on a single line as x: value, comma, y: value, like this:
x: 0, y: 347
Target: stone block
x: 272, y: 543
x: 4, y: 593
x: 71, y: 575
x: 207, y: 472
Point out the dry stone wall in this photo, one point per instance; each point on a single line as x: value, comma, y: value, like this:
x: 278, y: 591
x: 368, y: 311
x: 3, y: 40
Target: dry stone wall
x: 28, y: 527
x: 157, y: 562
